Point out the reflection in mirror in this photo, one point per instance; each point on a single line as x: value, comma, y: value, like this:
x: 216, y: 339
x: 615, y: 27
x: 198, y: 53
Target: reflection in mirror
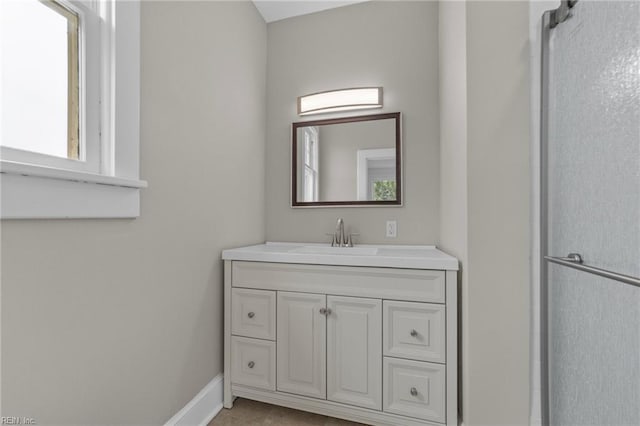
x: 376, y: 174
x: 347, y: 161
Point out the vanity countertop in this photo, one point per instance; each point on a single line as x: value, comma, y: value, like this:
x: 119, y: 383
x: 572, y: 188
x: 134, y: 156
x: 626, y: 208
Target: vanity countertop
x: 386, y: 256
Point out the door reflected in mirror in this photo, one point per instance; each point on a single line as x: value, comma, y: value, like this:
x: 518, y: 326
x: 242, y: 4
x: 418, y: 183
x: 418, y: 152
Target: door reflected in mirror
x: 347, y: 161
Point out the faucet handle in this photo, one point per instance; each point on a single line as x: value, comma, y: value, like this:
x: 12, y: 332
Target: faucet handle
x: 350, y: 236
x: 333, y: 239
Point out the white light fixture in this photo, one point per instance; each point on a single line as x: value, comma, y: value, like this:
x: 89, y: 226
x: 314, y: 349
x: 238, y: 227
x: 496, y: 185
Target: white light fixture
x: 340, y: 100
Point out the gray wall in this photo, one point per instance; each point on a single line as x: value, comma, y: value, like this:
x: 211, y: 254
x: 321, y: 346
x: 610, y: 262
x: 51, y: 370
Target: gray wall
x: 453, y: 129
x: 389, y: 44
x: 496, y: 318
x: 453, y: 158
x: 120, y: 321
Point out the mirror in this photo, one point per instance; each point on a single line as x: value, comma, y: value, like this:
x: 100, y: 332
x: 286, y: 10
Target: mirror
x: 347, y: 161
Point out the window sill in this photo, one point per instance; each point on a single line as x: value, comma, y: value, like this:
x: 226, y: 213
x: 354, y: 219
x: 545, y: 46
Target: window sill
x: 12, y: 167
x: 36, y: 192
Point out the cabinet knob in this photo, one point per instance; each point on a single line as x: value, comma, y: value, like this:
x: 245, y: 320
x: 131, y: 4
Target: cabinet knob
x: 251, y: 364
x: 414, y: 333
x: 414, y: 392
x: 251, y: 314
x: 325, y: 311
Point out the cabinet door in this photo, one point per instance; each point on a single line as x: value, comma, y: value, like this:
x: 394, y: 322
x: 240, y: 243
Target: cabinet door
x: 301, y: 344
x: 354, y: 351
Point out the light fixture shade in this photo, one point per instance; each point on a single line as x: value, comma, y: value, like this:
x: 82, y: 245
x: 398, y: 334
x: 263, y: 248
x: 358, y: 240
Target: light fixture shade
x: 340, y: 100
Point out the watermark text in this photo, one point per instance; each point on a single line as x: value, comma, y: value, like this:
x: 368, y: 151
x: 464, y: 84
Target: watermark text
x: 15, y: 420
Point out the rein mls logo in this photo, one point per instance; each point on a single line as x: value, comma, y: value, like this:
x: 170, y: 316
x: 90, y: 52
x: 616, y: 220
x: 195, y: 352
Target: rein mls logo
x: 11, y: 420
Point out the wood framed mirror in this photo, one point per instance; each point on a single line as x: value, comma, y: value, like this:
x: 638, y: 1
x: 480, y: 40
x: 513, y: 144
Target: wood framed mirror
x: 349, y: 161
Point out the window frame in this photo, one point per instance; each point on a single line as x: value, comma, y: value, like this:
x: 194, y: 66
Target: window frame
x: 106, y: 183
x: 89, y: 96
x: 311, y: 140
x: 74, y: 86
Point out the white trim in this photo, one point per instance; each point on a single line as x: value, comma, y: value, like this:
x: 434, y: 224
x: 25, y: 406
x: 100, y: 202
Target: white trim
x: 203, y: 407
x: 228, y: 397
x: 364, y: 155
x: 125, y: 137
x: 90, y: 101
x: 32, y: 197
x: 313, y: 133
x: 451, y: 303
x: 107, y: 87
x: 11, y: 167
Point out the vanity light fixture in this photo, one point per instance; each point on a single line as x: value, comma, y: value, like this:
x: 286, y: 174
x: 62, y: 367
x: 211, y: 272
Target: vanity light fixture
x: 340, y: 100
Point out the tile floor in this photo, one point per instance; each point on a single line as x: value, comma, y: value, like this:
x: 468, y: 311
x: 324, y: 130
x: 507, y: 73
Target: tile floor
x: 252, y: 413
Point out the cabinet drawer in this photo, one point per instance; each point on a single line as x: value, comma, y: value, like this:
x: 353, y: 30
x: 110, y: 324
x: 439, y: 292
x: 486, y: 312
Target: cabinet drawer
x: 253, y: 313
x: 414, y: 331
x: 414, y: 389
x: 253, y: 363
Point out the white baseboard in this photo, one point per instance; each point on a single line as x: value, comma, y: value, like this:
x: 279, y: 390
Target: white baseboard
x: 202, y: 408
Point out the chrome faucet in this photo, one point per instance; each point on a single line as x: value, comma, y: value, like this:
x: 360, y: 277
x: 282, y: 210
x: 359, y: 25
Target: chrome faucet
x: 339, y: 238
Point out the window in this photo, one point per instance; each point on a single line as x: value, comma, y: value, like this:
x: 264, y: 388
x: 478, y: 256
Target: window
x: 310, y: 177
x: 69, y: 108
x: 51, y: 84
x: 40, y: 67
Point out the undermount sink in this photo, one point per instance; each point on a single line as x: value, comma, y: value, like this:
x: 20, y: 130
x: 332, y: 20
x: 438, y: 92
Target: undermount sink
x: 348, y: 251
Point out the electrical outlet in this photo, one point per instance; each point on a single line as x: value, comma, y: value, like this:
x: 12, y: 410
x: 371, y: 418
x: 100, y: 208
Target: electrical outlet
x: 392, y: 229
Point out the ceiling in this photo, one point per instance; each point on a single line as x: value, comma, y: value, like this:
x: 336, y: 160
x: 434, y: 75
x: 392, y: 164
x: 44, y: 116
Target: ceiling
x: 276, y: 10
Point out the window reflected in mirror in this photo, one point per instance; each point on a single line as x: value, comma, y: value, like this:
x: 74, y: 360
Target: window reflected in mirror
x: 309, y: 187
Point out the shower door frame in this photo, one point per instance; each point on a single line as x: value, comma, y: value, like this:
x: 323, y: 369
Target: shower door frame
x: 550, y: 19
x: 544, y: 139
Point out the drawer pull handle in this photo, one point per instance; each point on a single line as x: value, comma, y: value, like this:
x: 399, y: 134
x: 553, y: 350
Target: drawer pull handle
x: 251, y: 314
x: 414, y: 392
x: 414, y: 333
x: 251, y: 364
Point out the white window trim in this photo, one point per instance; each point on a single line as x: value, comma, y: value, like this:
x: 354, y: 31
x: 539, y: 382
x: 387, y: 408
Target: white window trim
x: 311, y: 132
x: 36, y: 191
x: 364, y: 155
x: 314, y: 138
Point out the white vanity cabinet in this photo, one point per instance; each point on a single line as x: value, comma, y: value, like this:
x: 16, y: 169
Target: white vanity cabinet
x: 368, y: 343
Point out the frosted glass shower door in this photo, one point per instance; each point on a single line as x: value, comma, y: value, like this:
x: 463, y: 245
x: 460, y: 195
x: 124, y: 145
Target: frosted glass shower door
x: 592, y: 200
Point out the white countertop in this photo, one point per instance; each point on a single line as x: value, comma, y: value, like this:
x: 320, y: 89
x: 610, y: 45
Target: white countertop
x: 416, y: 257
